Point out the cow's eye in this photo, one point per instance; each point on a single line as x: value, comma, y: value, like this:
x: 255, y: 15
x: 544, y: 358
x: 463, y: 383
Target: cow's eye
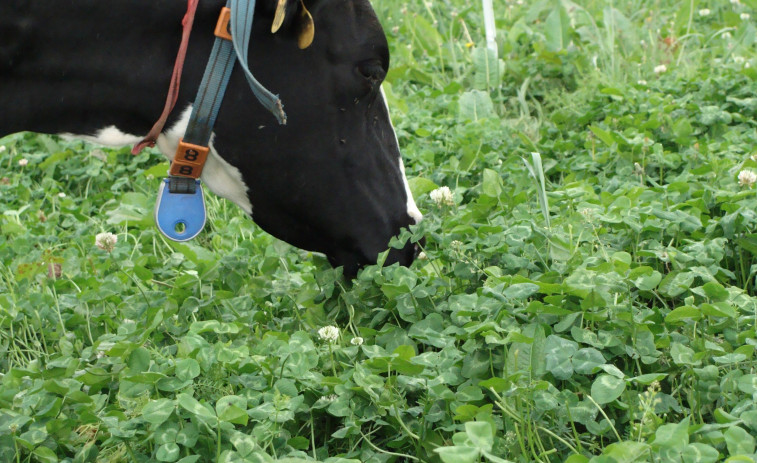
x: 373, y: 73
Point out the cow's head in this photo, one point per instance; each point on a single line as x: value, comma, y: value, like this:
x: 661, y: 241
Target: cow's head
x: 331, y: 179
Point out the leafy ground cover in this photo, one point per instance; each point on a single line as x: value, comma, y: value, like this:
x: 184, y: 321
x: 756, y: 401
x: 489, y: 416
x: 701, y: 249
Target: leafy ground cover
x: 586, y: 294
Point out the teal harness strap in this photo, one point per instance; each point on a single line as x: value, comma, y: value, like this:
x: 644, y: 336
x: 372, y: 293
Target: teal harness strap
x: 242, y: 12
x: 210, y: 93
x: 180, y: 209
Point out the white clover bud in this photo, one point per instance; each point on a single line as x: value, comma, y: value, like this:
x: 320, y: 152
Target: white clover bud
x: 744, y: 16
x: 442, y: 196
x: 422, y: 255
x: 747, y: 178
x: 641, y: 82
x: 356, y: 341
x: 2, y: 148
x: 23, y: 162
x: 704, y: 12
x: 660, y: 69
x: 61, y: 195
x: 329, y: 333
x: 106, y: 241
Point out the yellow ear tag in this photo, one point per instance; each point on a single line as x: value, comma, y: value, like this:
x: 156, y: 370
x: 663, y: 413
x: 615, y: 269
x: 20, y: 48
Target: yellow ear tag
x: 278, y: 18
x: 307, y: 31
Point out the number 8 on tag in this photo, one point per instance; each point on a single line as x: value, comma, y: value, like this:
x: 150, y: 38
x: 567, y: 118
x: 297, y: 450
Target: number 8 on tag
x: 189, y: 160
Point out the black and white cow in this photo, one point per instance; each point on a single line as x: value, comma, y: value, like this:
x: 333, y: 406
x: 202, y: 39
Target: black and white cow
x: 330, y: 180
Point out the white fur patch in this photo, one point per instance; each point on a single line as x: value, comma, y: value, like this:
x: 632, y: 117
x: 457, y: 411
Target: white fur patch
x: 412, y: 208
x: 109, y: 136
x: 221, y: 177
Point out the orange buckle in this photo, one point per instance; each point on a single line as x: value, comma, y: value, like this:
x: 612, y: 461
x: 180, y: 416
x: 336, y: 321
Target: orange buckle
x: 188, y: 160
x: 223, y: 28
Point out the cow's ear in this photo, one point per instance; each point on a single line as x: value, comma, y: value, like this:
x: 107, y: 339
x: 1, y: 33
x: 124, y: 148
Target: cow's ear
x: 294, y: 12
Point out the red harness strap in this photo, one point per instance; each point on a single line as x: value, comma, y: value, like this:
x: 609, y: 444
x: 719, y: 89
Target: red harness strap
x: 173, y: 89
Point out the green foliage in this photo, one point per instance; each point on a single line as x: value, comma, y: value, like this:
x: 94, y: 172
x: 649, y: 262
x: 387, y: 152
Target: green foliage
x: 595, y: 304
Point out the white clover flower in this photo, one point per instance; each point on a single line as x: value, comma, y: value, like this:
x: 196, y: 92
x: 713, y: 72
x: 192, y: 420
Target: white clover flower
x: 744, y: 16
x: 637, y: 169
x: 329, y: 398
x: 704, y: 12
x: 443, y: 196
x: 356, y: 341
x: 61, y: 195
x: 2, y: 148
x: 660, y: 69
x: 105, y: 345
x: 329, y: 333
x: 23, y: 162
x: 422, y: 255
x: 456, y: 244
x: 738, y: 59
x: 641, y: 82
x: 747, y: 178
x: 106, y: 241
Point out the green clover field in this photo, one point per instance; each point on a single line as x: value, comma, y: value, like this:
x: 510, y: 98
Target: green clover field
x: 586, y: 292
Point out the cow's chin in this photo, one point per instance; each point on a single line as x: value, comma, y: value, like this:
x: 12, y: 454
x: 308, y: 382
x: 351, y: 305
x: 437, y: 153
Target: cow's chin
x: 352, y: 262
